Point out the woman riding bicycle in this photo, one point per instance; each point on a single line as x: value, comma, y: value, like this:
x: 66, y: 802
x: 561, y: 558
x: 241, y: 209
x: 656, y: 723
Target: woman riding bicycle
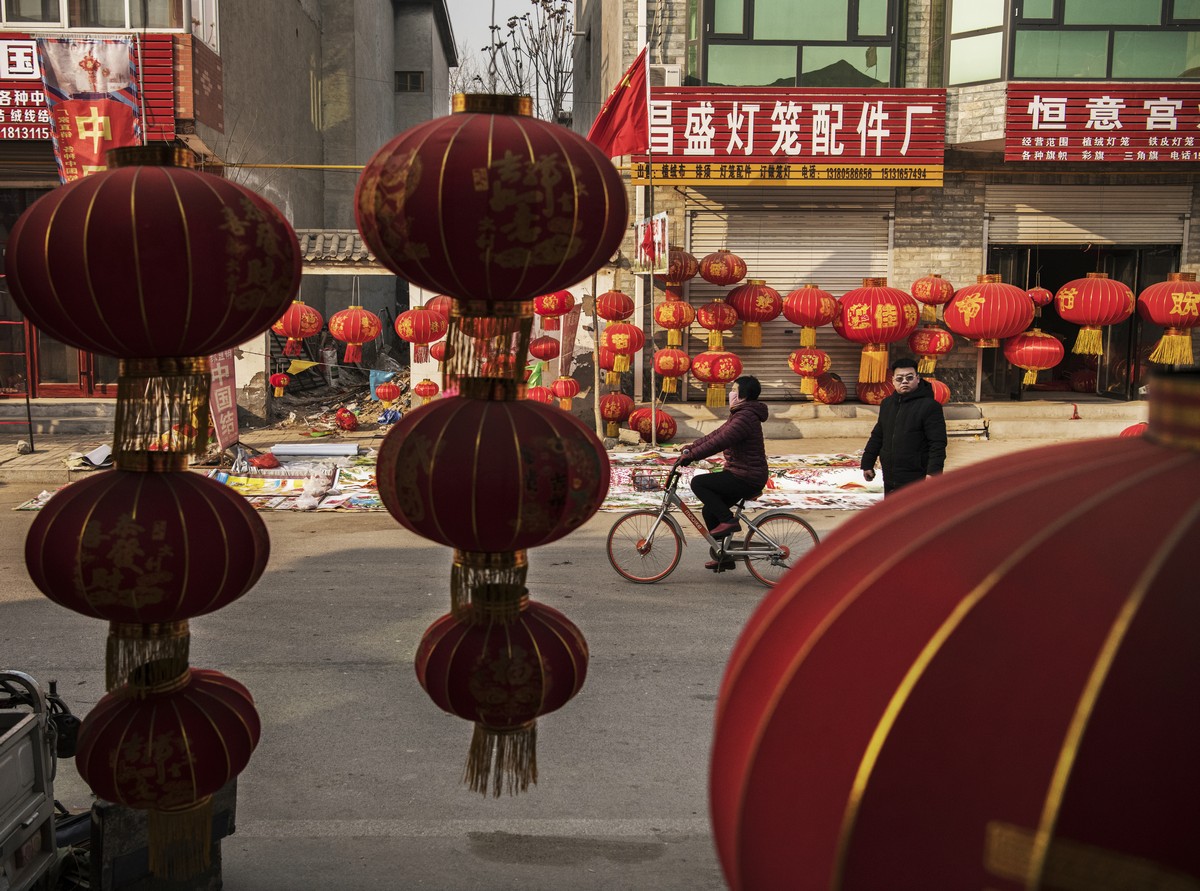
x: 745, y: 473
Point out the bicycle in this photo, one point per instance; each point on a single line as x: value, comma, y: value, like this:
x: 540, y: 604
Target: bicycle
x: 644, y: 546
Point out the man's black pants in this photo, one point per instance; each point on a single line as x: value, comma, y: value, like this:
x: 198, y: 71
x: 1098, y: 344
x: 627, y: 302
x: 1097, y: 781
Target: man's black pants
x: 720, y: 491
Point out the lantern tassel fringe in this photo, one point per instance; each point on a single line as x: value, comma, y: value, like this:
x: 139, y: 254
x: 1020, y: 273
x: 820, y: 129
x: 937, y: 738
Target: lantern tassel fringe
x: 292, y: 347
x: 612, y: 378
x: 872, y: 367
x: 502, y: 760
x: 715, y: 341
x: 926, y: 364
x: 1030, y: 377
x: 1089, y: 342
x: 808, y: 385
x: 1175, y: 348
x: 751, y: 334
x: 670, y: 385
x: 353, y: 353
x: 497, y: 578
x: 621, y: 363
x: 715, y: 397
x: 674, y: 337
x: 808, y: 338
x: 180, y: 841
x: 154, y: 653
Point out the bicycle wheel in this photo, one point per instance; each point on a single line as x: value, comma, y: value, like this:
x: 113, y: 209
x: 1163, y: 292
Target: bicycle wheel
x: 640, y: 560
x: 791, y: 533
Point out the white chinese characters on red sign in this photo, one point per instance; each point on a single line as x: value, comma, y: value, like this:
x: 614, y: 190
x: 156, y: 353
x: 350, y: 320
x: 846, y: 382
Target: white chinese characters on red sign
x: 19, y: 60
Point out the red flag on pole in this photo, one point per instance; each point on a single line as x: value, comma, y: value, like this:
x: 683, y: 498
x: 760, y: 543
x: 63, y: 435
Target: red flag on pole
x: 622, y: 127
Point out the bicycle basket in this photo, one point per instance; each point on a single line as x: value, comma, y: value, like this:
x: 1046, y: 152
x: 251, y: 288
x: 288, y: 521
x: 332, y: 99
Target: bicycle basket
x: 652, y: 480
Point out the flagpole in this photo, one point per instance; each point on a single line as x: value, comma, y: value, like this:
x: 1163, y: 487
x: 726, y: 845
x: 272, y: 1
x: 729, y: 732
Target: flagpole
x: 650, y: 276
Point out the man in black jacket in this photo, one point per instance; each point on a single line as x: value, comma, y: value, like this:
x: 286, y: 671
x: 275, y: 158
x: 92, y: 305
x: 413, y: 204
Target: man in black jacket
x: 909, y: 438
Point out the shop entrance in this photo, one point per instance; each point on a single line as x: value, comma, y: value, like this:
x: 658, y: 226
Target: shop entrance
x: 1122, y: 371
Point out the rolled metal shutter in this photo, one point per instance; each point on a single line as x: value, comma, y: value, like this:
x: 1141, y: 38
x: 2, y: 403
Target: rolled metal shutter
x: 1053, y: 214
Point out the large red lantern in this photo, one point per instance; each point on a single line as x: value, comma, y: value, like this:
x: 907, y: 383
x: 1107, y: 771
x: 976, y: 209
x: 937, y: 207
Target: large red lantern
x: 502, y: 666
x: 930, y: 343
x: 671, y: 364
x: 545, y: 348
x: 355, y: 326
x: 421, y: 327
x: 718, y: 369
x: 675, y: 316
x: 681, y: 267
x: 830, y: 390
x: 652, y: 425
x: 551, y: 307
x: 614, y: 306
x: 624, y: 340
x: 491, y: 204
x: 1033, y: 350
x: 565, y: 389
x: 873, y: 392
x: 810, y: 308
x: 1092, y: 303
x: 723, y: 268
x: 755, y: 303
x: 988, y: 311
x: 1175, y: 305
x: 426, y: 390
x: 716, y: 316
x: 614, y: 408
x: 279, y: 381
x: 809, y: 364
x: 442, y: 304
x: 1024, y: 718
x: 387, y: 393
x: 932, y: 291
x: 875, y: 315
x: 298, y: 321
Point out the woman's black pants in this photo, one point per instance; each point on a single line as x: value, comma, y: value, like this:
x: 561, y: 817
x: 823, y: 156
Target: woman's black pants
x: 720, y: 491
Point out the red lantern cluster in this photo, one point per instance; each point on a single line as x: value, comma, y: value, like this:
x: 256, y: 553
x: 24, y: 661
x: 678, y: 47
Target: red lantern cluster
x: 1092, y: 303
x: 297, y: 322
x: 1174, y: 305
x: 875, y: 315
x: 988, y: 311
x: 755, y: 303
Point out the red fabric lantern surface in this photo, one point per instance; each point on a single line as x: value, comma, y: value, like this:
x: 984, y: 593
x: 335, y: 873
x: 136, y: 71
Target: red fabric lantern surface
x: 718, y: 369
x: 502, y: 674
x: 420, y: 327
x: 1092, y: 303
x: 671, y: 364
x: 716, y: 316
x: 1028, y: 691
x: 988, y: 311
x: 298, y: 321
x: 483, y: 233
x: 675, y: 316
x: 345, y: 419
x: 426, y: 390
x: 810, y: 308
x: 875, y: 315
x: 614, y: 306
x: 809, y: 364
x: 941, y: 392
x: 830, y: 390
x: 873, y: 393
x: 624, y: 340
x: 355, y: 326
x: 606, y: 359
x: 930, y: 343
x: 534, y: 472
x: 1034, y: 350
x: 932, y: 291
x: 1040, y: 296
x: 551, y: 307
x: 1175, y: 305
x: 1138, y: 429
x: 755, y: 302
x: 437, y: 351
x: 682, y: 266
x: 543, y: 395
x: 614, y: 408
x: 152, y: 262
x: 387, y: 392
x: 545, y: 348
x: 565, y: 389
x: 442, y: 304
x: 640, y: 422
x: 279, y: 380
x: 723, y: 268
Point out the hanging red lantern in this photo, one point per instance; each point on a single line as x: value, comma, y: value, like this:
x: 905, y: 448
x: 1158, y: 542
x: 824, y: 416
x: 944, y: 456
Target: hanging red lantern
x: 1175, y: 306
x: 614, y: 306
x: 1092, y: 303
x: 614, y: 408
x: 298, y: 321
x: 426, y: 390
x: 624, y: 340
x: 355, y: 326
x: 988, y: 311
x: 810, y: 308
x: 671, y: 364
x: 1138, y: 429
x: 1034, y: 350
x: 681, y: 267
x: 565, y: 389
x: 606, y: 359
x: 652, y: 426
x: 723, y: 268
x: 545, y: 348
x: 442, y: 304
x: 420, y: 327
x: 716, y: 316
x: 873, y: 392
x: 540, y: 394
x: 437, y: 351
x: 279, y: 380
x: 483, y: 235
x: 930, y: 343
x: 1028, y: 698
x: 809, y: 364
x: 875, y: 315
x: 675, y: 316
x: 502, y: 667
x: 755, y: 302
x: 1040, y: 297
x: 932, y: 291
x: 387, y: 393
x: 551, y: 307
x: 941, y: 392
x: 830, y: 390
x: 718, y: 369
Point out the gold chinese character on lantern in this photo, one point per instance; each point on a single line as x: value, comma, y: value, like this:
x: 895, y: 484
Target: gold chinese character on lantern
x: 886, y: 316
x: 1185, y: 304
x: 971, y: 305
x: 1067, y: 298
x: 859, y: 316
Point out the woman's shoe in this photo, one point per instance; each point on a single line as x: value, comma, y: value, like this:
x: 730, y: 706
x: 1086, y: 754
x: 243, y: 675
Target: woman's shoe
x: 723, y: 529
x: 720, y: 565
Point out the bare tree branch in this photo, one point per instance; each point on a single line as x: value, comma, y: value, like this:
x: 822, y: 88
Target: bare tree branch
x: 531, y: 55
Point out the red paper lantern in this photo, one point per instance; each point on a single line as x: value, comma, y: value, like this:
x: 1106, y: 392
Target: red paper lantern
x: 716, y: 316
x: 988, y: 311
x: 718, y: 369
x: 1034, y: 350
x: 830, y: 390
x: 723, y: 268
x: 387, y: 392
x: 809, y: 364
x: 298, y: 321
x: 1027, y: 694
x: 810, y: 308
x: 345, y: 419
x: 279, y: 380
x: 930, y: 343
x: 426, y: 390
x: 421, y: 327
x: 552, y: 306
x: 565, y: 389
x: 490, y: 203
x: 437, y: 351
x: 1091, y: 303
x: 755, y: 303
x: 1174, y: 305
x: 614, y: 408
x: 152, y: 261
x: 671, y: 364
x: 932, y: 291
x: 941, y: 392
x: 681, y: 267
x: 624, y: 340
x: 544, y: 348
x: 663, y: 428
x: 674, y: 315
x: 614, y: 306
x: 1040, y: 296
x: 606, y: 359
x: 355, y: 326
x: 1138, y: 429
x: 873, y: 392
x: 502, y: 672
x: 442, y: 304
x: 875, y: 315
x: 540, y: 394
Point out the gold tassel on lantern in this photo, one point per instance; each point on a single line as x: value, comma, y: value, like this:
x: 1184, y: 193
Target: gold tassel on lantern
x: 808, y: 337
x: 502, y: 759
x: 1175, y: 348
x: 621, y: 363
x: 612, y: 430
x: 1089, y: 342
x: 156, y: 398
x: 145, y: 656
x: 872, y: 368
x: 480, y: 575
x: 612, y: 379
x: 926, y: 364
x: 670, y: 385
x: 751, y: 334
x: 929, y: 314
x: 1030, y: 377
x: 179, y: 841
x: 715, y: 341
x: 715, y: 397
x: 674, y: 337
x: 565, y: 403
x: 808, y: 385
x: 488, y: 341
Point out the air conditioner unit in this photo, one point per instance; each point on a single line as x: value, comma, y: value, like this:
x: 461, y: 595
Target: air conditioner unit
x: 665, y: 76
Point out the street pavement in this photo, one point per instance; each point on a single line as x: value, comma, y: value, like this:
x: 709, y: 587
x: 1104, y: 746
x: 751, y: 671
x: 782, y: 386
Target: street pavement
x: 356, y: 782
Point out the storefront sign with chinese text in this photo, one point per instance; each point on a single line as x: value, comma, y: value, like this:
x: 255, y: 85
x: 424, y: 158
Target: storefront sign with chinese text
x: 780, y: 136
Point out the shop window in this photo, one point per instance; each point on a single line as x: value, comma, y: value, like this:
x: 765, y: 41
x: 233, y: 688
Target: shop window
x: 829, y: 66
x: 1061, y: 54
x: 729, y: 17
x: 1112, y: 12
x: 976, y: 45
x: 752, y: 66
x: 801, y: 19
x: 43, y: 12
x: 410, y: 81
x: 1163, y: 54
x: 165, y: 14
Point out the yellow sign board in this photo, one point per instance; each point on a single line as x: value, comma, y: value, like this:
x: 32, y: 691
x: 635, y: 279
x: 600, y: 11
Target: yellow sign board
x: 887, y: 176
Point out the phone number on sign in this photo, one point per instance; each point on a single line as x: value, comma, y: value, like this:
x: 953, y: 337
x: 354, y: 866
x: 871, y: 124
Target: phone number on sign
x: 24, y: 132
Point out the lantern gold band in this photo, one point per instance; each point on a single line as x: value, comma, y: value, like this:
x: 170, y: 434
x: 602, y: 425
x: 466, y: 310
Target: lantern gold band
x: 488, y: 342
x: 149, y: 658
x: 148, y: 156
x: 1175, y: 410
x: 157, y: 399
x: 493, y: 580
x: 492, y: 103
